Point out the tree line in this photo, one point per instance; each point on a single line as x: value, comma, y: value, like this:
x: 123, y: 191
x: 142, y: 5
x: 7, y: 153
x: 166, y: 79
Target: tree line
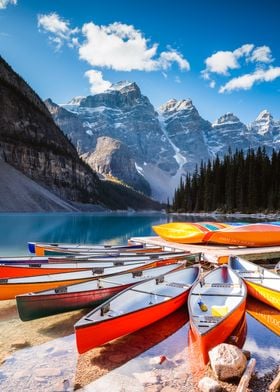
x: 237, y: 183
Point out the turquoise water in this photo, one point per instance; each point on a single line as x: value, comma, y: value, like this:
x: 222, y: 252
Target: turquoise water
x: 17, y: 229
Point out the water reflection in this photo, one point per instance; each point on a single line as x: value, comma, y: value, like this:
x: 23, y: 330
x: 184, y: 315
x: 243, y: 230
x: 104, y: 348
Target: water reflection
x: 265, y: 314
x: 17, y: 229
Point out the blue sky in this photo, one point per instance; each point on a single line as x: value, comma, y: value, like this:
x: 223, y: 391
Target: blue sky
x: 225, y: 56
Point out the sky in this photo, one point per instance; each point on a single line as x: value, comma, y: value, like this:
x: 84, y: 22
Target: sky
x: 224, y: 55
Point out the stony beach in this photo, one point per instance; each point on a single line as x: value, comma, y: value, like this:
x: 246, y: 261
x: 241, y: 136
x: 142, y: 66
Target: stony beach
x: 41, y: 355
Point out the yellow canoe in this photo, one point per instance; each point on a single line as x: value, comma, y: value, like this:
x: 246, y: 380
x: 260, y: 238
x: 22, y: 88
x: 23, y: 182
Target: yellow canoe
x: 261, y: 283
x: 188, y: 232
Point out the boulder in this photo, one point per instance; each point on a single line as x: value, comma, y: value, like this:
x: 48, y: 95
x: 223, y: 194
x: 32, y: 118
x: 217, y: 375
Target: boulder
x: 207, y: 384
x: 227, y: 361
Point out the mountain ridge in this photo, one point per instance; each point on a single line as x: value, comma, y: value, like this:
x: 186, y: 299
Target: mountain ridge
x: 165, y: 143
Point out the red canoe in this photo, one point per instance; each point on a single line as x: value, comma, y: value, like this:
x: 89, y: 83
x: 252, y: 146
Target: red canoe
x: 216, y: 306
x: 135, y: 308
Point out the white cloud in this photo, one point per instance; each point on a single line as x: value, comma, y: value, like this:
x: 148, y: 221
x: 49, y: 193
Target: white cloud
x: 221, y: 62
x: 58, y: 28
x: 166, y: 58
x: 212, y: 84
x: 246, y: 82
x: 262, y: 54
x: 97, y: 83
x: 123, y: 48
x: 5, y: 3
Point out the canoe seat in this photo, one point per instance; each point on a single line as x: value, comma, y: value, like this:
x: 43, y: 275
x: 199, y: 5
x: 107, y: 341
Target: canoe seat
x: 222, y: 285
x: 179, y: 285
x: 206, y: 318
x: 219, y: 311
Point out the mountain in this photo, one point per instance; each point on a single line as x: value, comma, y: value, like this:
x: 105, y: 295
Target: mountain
x: 227, y: 131
x: 164, y: 144
x: 34, y: 145
x: 112, y: 158
x: 185, y: 129
x: 265, y: 131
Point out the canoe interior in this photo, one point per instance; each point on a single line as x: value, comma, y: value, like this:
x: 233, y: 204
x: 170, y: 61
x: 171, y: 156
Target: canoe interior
x: 255, y: 274
x: 110, y: 281
x: 143, y: 295
x: 221, y: 291
x: 87, y: 274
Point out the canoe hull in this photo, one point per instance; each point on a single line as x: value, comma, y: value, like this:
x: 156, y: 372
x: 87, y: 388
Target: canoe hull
x: 255, y: 235
x: 187, y: 233
x: 92, y: 335
x: 7, y: 271
x: 219, y: 333
x: 268, y: 296
x: 11, y: 290
x: 34, y: 307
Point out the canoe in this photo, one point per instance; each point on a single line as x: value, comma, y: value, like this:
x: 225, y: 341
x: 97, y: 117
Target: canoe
x: 261, y: 283
x: 187, y: 232
x: 135, y: 308
x: 23, y: 270
x: 266, y: 315
x: 41, y: 249
x: 10, y: 288
x: 254, y: 235
x: 32, y: 246
x: 82, y: 295
x: 121, y: 257
x: 23, y: 260
x: 82, y: 257
x: 216, y: 305
x: 126, y: 255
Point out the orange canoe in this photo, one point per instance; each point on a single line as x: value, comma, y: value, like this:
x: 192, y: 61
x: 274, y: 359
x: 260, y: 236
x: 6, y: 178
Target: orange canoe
x: 135, y: 308
x: 216, y: 306
x: 254, y: 235
x: 24, y: 270
x: 187, y: 232
x: 10, y: 288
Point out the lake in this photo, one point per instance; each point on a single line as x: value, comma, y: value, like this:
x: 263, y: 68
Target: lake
x: 41, y: 354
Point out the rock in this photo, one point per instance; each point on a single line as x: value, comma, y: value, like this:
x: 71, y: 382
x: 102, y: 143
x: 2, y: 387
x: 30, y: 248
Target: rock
x: 227, y: 361
x: 20, y: 344
x: 207, y: 384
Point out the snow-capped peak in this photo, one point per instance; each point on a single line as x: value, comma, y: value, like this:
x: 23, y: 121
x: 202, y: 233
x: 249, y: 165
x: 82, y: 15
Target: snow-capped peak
x: 125, y: 84
x: 264, y: 115
x: 175, y: 105
x: 76, y: 101
x: 228, y: 118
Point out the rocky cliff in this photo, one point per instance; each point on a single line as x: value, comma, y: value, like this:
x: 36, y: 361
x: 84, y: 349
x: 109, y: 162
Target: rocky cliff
x: 112, y: 158
x: 31, y: 142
